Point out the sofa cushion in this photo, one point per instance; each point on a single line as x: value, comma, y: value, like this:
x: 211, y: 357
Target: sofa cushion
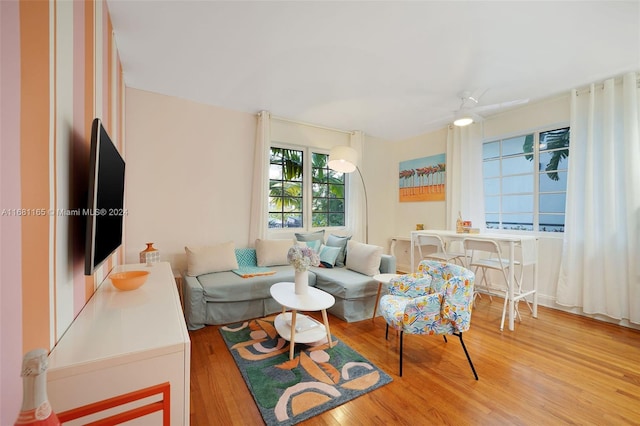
x: 246, y: 257
x: 229, y: 287
x: 328, y: 255
x: 312, y: 239
x: 363, y: 258
x: 206, y: 259
x: 343, y: 283
x: 338, y: 241
x: 310, y: 236
x: 312, y: 244
x: 272, y: 252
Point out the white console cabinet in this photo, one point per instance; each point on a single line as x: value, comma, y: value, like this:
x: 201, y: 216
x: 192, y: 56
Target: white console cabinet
x: 123, y: 341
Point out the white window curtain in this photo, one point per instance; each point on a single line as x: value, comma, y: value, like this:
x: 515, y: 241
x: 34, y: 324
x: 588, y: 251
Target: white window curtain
x: 260, y: 186
x: 601, y: 254
x: 356, y: 205
x: 465, y: 192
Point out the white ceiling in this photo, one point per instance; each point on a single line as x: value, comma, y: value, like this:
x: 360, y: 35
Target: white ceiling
x: 392, y: 69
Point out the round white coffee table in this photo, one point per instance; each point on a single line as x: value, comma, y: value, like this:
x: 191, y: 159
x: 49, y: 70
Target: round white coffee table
x: 309, y: 330
x: 382, y: 279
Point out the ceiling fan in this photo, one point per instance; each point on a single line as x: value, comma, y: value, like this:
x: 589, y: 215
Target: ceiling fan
x: 468, y: 111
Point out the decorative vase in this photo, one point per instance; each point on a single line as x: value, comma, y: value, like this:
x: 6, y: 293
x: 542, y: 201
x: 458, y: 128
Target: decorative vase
x: 302, y: 282
x: 149, y: 255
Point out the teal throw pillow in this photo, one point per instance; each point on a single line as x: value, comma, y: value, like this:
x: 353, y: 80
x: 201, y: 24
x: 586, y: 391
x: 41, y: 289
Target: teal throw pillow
x: 246, y: 257
x: 314, y: 245
x: 328, y: 255
x: 338, y: 241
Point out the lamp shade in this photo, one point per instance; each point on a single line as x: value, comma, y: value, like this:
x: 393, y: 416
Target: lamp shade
x: 343, y: 159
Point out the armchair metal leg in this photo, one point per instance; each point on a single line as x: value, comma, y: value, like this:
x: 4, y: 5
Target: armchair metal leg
x: 467, y: 354
x: 401, y: 334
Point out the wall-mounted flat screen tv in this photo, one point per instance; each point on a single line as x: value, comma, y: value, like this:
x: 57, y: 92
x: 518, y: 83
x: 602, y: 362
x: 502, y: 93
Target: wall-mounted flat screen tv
x: 105, y: 206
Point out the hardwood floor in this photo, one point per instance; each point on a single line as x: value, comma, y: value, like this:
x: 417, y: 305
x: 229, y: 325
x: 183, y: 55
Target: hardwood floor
x: 557, y: 369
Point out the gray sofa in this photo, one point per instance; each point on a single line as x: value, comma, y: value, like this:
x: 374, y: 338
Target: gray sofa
x: 225, y: 297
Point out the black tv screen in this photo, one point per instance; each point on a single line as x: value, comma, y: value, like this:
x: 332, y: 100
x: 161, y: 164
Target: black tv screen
x: 105, y: 207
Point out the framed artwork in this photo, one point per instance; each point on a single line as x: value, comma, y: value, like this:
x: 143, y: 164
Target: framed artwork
x: 423, y: 179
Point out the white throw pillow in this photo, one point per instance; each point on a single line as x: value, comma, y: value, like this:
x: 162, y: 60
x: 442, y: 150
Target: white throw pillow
x: 363, y: 258
x: 272, y: 252
x: 207, y: 259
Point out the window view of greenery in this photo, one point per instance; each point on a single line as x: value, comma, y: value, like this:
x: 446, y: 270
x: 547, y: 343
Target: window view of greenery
x: 285, y: 188
x: 288, y: 191
x: 519, y: 195
x: 328, y: 194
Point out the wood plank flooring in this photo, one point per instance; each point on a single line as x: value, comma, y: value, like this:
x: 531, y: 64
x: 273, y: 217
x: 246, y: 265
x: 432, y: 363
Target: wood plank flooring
x: 557, y: 369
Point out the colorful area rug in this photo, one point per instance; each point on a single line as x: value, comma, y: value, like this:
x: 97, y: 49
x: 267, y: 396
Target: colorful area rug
x: 318, y: 379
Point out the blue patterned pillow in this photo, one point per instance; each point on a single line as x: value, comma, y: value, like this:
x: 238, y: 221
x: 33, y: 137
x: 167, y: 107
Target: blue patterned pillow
x: 246, y: 257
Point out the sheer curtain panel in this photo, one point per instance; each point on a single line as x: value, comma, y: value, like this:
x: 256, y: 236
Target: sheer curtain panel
x: 356, y: 214
x: 465, y: 193
x: 260, y: 186
x: 600, y: 270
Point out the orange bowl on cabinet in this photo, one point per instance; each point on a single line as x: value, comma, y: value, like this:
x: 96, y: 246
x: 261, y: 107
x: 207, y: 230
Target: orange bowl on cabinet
x: 129, y: 280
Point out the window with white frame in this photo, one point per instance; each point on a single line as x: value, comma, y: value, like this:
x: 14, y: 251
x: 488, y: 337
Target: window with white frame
x: 525, y: 181
x: 303, y: 192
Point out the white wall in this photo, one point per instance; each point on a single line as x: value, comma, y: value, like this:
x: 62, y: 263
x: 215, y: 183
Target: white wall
x: 180, y: 155
x: 430, y: 213
x: 389, y: 217
x: 188, y: 175
x: 190, y: 169
x: 550, y: 112
x: 381, y: 178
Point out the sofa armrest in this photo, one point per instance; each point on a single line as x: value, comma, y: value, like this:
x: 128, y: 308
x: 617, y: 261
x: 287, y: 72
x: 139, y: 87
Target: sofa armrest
x: 194, y: 303
x: 388, y: 264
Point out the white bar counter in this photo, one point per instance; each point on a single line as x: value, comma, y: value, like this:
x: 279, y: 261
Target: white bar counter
x: 529, y: 247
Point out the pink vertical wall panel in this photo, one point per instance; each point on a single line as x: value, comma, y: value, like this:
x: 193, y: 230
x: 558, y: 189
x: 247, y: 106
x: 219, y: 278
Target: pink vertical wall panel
x: 29, y: 169
x: 10, y: 226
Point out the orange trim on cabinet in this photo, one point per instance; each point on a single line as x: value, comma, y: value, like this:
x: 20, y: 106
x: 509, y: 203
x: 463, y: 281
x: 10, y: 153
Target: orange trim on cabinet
x: 163, y: 405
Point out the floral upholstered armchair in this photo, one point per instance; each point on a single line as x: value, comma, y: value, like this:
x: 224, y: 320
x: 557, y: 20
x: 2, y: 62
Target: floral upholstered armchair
x: 438, y: 299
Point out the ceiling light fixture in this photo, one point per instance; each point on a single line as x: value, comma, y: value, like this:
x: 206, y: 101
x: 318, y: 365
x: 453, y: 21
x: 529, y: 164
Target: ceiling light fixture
x: 462, y: 118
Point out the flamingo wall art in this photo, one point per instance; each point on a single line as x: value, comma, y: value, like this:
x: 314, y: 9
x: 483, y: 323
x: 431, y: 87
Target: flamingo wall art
x: 423, y: 179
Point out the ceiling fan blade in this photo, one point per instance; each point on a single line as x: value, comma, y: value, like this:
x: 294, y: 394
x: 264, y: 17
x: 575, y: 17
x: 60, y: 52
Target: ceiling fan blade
x: 477, y: 94
x: 501, y: 105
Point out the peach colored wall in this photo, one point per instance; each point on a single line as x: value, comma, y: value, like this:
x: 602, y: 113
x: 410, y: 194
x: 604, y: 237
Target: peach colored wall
x: 180, y: 156
x: 408, y: 214
x: 190, y: 170
x: 549, y: 112
x: 49, y: 97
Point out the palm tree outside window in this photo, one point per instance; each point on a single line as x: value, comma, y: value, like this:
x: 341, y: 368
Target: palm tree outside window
x: 296, y: 201
x: 520, y: 196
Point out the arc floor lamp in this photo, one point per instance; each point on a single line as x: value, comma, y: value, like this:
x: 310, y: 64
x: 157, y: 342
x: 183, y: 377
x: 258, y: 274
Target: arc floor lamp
x: 344, y: 159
